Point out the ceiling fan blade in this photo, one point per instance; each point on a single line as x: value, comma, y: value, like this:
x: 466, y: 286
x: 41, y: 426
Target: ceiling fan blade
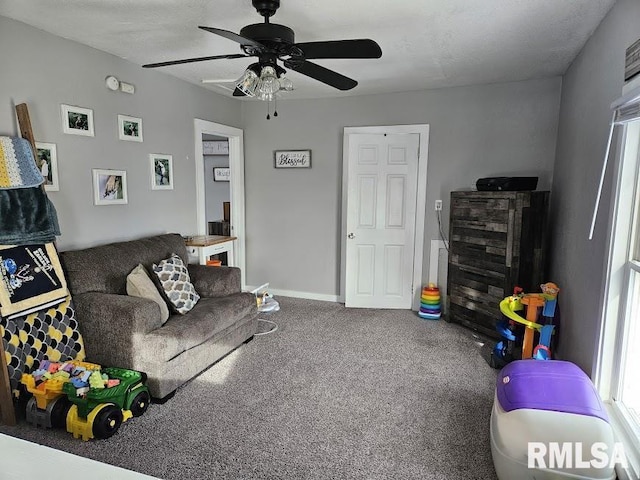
x: 215, y: 81
x: 362, y: 48
x: 321, y: 74
x: 191, y: 60
x: 238, y: 93
x: 233, y: 36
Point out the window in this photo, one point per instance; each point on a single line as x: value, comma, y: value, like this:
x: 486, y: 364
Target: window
x: 618, y: 360
x: 628, y: 392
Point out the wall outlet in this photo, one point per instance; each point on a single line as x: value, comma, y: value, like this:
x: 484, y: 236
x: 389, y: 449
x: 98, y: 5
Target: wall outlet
x: 438, y: 205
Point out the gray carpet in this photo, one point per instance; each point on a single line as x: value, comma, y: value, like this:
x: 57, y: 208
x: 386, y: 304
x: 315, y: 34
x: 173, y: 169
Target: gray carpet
x: 334, y: 393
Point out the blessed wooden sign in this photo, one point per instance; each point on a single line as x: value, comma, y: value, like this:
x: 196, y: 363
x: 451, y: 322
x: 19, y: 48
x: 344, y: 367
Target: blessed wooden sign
x: 292, y: 158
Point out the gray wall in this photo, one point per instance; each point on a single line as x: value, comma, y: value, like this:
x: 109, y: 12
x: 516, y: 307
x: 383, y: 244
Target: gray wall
x: 45, y: 71
x: 593, y: 81
x: 294, y: 215
x: 215, y: 192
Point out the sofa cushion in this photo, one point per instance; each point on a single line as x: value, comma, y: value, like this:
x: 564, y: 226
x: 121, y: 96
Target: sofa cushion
x: 176, y: 284
x: 206, y: 319
x: 139, y: 284
x: 105, y: 268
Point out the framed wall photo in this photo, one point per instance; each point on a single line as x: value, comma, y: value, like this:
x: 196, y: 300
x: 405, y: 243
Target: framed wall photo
x: 292, y: 158
x: 161, y: 171
x: 109, y: 187
x: 129, y: 128
x: 221, y: 174
x: 47, y: 162
x: 77, y: 120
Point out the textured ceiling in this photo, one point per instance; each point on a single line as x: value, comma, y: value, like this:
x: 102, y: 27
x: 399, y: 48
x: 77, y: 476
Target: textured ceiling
x: 425, y: 43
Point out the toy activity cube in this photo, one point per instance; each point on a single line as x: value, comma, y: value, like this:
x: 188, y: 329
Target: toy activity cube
x: 548, y: 402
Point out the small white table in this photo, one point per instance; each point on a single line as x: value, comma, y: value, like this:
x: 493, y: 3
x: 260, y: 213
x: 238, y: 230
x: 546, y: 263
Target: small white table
x: 201, y: 247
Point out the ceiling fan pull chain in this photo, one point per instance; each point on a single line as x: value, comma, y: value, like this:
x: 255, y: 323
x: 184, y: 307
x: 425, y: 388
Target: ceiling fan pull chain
x: 275, y: 106
x: 268, y: 116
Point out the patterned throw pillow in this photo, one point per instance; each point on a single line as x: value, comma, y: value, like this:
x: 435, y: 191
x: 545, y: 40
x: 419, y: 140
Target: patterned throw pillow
x: 174, y: 279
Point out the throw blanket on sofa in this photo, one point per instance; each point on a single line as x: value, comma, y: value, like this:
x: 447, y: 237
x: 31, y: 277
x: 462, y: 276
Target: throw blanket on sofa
x: 45, y: 335
x: 31, y: 279
x: 17, y: 164
x: 27, y: 216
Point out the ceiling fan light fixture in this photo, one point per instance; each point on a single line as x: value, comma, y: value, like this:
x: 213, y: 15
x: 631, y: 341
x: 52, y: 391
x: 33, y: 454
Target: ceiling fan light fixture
x: 269, y: 83
x: 266, y: 97
x: 248, y: 83
x: 286, y: 84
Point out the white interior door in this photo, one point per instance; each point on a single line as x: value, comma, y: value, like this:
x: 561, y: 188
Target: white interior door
x: 381, y: 219
x: 235, y: 137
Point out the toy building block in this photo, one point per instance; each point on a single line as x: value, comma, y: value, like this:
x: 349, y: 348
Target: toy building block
x: 77, y: 382
x: 95, y: 380
x: 52, y: 416
x: 45, y: 392
x: 87, y: 365
x: 101, y: 422
x: 82, y: 391
x: 61, y: 374
x: 79, y: 427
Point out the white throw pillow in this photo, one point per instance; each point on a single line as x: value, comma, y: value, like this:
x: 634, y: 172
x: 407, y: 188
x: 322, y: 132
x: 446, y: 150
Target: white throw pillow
x: 139, y: 284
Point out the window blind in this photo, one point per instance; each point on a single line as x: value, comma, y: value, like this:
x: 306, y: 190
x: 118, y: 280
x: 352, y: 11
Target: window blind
x: 626, y: 109
x: 627, y: 113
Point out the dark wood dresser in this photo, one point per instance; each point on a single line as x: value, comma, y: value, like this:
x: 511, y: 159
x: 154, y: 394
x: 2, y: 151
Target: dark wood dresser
x: 496, y: 242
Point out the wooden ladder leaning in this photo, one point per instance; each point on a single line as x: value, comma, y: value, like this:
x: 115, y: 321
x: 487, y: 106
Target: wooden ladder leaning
x: 7, y: 410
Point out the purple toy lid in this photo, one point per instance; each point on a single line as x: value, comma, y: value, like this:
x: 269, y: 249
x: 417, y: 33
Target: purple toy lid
x: 552, y: 385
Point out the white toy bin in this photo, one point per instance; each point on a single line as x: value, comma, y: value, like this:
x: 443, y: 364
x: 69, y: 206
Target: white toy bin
x: 555, y: 404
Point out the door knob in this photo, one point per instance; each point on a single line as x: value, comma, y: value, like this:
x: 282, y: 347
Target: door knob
x: 351, y: 235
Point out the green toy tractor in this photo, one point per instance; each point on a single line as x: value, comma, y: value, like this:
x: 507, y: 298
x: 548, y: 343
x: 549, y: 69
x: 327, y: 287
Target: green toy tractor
x: 99, y: 412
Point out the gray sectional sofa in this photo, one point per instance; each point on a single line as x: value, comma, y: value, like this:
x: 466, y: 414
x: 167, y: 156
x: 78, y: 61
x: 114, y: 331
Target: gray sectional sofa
x: 127, y: 331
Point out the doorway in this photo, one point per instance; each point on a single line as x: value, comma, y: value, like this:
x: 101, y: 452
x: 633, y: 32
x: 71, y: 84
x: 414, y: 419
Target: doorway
x: 235, y: 137
x: 383, y: 210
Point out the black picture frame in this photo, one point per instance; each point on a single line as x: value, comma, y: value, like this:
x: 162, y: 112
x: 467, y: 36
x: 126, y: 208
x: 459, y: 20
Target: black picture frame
x: 221, y: 174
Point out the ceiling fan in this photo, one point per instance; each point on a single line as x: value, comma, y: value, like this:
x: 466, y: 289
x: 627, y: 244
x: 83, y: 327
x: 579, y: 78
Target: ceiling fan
x: 271, y: 42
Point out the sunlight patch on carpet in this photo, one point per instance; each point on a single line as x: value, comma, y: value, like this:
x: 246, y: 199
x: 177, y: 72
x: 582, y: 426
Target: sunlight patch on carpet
x: 218, y: 373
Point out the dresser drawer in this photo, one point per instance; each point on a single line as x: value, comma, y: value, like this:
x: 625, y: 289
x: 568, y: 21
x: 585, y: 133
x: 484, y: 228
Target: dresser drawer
x: 194, y: 252
x: 496, y: 241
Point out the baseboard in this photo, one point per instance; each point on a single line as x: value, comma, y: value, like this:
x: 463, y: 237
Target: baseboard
x: 295, y: 294
x: 163, y: 400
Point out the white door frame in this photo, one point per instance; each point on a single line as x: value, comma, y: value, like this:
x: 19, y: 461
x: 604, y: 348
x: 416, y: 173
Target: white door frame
x: 421, y: 200
x: 236, y: 185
